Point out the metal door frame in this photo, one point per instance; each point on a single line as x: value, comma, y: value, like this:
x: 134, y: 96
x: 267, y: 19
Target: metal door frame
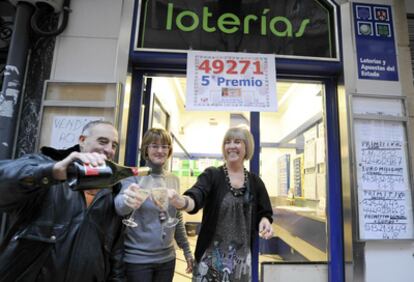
x: 137, y: 125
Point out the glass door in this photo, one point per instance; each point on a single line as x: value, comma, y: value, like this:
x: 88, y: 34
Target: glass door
x: 293, y: 167
x: 292, y: 156
x: 197, y: 138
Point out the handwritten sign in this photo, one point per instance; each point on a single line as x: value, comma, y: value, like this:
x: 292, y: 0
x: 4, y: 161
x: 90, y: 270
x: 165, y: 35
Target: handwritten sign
x: 384, y: 195
x: 231, y: 81
x: 67, y: 129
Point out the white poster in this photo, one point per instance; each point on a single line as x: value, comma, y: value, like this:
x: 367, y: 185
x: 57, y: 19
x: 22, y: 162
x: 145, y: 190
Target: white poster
x: 310, y: 154
x: 67, y: 129
x: 231, y: 81
x: 384, y: 193
x: 309, y: 190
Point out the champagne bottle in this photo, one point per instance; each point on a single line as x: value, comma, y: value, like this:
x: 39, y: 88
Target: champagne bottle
x: 82, y: 176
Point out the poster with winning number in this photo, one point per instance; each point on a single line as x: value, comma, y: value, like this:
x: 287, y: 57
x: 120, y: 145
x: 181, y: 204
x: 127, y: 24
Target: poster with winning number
x: 221, y: 81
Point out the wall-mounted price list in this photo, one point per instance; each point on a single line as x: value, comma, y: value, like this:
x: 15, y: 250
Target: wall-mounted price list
x: 384, y: 194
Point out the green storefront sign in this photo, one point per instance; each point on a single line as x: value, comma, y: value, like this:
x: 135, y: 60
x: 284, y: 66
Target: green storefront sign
x: 303, y: 28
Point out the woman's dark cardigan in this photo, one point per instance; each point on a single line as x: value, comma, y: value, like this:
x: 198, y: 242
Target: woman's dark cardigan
x: 208, y: 193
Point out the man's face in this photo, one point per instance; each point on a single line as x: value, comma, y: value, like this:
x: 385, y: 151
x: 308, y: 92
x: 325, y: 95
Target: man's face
x: 102, y: 138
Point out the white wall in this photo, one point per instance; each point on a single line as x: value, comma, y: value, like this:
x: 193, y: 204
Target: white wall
x: 94, y: 46
x: 201, y: 137
x: 191, y: 128
x: 165, y: 90
x: 389, y: 261
x: 301, y: 103
x: 409, y: 6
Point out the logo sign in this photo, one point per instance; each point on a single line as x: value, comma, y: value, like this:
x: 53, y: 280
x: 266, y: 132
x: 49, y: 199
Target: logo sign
x: 231, y: 81
x: 375, y: 44
x: 292, y: 28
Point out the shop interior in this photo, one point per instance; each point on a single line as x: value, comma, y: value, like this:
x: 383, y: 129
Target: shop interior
x: 292, y: 161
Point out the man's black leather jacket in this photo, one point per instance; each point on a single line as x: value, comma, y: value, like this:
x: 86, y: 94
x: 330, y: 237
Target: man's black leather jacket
x: 53, y: 235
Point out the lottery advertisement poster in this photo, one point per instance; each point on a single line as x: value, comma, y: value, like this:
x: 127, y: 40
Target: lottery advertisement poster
x: 223, y: 81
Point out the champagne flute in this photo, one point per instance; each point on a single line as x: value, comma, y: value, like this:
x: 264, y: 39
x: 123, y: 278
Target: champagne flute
x: 144, y: 184
x: 159, y: 195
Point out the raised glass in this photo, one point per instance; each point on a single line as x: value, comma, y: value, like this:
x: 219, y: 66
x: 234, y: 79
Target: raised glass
x: 145, y: 184
x: 159, y: 195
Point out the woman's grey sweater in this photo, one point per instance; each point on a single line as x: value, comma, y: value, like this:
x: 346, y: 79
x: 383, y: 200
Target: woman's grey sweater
x: 149, y: 242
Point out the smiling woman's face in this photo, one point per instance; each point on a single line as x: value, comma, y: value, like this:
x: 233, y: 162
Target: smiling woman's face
x: 158, y: 153
x: 234, y: 150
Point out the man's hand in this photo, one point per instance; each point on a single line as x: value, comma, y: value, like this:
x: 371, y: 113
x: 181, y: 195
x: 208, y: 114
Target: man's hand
x: 94, y: 159
x: 134, y: 196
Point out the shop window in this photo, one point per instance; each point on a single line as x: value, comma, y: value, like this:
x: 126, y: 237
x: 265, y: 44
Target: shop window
x: 293, y: 167
x: 293, y: 161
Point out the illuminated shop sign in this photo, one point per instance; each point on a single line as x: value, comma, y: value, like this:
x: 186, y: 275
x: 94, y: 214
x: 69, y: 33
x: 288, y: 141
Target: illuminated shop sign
x: 303, y: 28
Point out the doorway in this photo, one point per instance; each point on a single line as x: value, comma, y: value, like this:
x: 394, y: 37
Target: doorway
x: 291, y: 158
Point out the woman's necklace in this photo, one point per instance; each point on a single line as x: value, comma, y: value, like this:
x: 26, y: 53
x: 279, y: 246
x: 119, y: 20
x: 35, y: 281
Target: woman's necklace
x: 236, y: 191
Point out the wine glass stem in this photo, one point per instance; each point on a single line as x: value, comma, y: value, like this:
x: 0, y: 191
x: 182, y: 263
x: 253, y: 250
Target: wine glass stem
x: 131, y: 216
x: 167, y: 216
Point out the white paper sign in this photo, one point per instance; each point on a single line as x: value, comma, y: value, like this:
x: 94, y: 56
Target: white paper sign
x: 310, y: 186
x: 310, y: 154
x: 67, y: 129
x: 231, y: 81
x: 384, y: 194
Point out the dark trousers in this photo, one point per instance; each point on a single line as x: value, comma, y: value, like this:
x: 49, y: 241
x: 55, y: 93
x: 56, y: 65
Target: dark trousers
x: 151, y: 272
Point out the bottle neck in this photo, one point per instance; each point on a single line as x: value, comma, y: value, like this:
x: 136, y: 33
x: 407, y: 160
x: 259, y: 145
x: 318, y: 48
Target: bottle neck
x: 155, y: 169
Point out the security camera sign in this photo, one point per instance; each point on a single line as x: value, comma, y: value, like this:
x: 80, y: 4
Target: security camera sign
x: 218, y: 81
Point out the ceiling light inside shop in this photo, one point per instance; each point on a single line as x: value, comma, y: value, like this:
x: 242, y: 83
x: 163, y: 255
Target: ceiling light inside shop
x: 212, y: 121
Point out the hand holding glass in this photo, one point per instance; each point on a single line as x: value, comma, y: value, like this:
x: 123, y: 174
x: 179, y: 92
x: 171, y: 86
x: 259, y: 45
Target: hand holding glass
x: 159, y: 195
x: 143, y: 194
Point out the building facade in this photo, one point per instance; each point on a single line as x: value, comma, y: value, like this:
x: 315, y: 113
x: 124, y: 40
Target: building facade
x: 335, y: 156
